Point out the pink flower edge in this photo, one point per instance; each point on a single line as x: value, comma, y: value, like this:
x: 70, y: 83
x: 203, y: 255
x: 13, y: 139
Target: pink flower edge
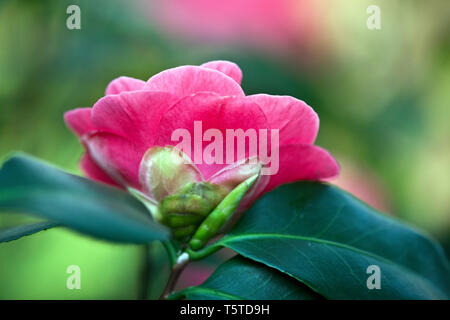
x: 136, y: 115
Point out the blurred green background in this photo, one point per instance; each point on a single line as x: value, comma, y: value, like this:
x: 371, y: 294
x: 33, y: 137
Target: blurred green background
x: 382, y: 97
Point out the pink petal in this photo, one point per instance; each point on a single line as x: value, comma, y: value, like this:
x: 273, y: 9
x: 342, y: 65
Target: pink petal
x: 231, y: 69
x: 303, y: 162
x: 79, y: 120
x: 297, y: 122
x: 232, y: 175
x: 132, y: 115
x: 186, y: 80
x: 93, y: 171
x: 254, y: 193
x: 119, y: 158
x: 123, y: 84
x: 214, y: 112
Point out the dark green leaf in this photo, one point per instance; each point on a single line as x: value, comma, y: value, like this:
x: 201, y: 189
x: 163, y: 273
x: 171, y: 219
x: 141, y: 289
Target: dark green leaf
x: 17, y: 232
x: 31, y: 186
x: 327, y: 239
x: 243, y: 279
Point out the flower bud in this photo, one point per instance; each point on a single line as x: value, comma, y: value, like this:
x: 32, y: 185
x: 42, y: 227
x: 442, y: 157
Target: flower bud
x: 220, y: 215
x: 184, y: 211
x: 187, y: 204
x: 165, y: 170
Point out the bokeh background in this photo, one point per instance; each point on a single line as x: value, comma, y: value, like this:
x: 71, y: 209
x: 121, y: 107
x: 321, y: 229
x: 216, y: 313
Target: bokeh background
x: 382, y: 97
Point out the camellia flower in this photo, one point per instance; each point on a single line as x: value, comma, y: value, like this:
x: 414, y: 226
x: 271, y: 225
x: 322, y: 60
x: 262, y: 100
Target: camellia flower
x: 129, y: 140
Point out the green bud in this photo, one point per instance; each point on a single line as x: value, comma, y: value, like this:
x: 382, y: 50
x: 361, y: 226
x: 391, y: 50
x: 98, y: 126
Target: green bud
x: 184, y: 211
x: 165, y: 170
x: 220, y: 215
x: 177, y: 195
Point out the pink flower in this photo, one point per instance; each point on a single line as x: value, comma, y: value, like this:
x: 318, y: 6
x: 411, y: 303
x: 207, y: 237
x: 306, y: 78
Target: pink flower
x: 135, y: 116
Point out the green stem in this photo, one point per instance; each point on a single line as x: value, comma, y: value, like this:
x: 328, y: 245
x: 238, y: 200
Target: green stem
x: 145, y: 274
x: 203, y: 253
x: 171, y: 252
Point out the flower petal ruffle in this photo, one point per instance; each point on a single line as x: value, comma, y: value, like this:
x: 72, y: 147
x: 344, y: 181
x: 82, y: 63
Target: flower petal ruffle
x: 303, y: 162
x: 229, y: 68
x: 186, y: 80
x: 132, y: 115
x: 297, y: 122
x: 79, y: 120
x: 123, y: 84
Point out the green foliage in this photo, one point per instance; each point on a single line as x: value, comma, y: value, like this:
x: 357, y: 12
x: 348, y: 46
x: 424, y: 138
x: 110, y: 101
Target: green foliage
x: 240, y: 278
x: 17, y: 232
x: 301, y: 241
x: 326, y: 239
x: 30, y: 186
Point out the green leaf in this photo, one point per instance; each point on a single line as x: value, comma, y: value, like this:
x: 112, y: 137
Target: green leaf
x: 243, y: 279
x: 325, y: 238
x: 31, y: 186
x: 17, y: 232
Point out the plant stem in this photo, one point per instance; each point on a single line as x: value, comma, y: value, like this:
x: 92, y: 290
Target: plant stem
x: 179, y: 262
x: 171, y: 252
x: 145, y: 274
x: 202, y: 253
x: 177, y: 268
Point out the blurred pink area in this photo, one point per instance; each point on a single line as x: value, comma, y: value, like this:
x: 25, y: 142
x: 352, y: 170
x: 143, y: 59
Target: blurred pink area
x: 196, y: 273
x: 364, y: 185
x: 275, y: 25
